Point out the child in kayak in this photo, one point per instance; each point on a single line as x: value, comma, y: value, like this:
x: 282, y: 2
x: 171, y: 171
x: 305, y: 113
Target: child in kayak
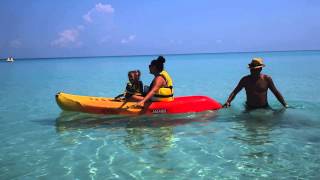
x: 134, y: 86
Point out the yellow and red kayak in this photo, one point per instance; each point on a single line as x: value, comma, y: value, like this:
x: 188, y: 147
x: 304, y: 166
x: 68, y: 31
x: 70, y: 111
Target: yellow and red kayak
x: 104, y: 105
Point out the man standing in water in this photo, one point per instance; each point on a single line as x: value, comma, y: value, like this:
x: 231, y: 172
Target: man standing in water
x: 256, y: 86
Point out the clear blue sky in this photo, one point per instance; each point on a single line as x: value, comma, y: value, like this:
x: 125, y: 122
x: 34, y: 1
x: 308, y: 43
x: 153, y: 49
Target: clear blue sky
x: 64, y: 28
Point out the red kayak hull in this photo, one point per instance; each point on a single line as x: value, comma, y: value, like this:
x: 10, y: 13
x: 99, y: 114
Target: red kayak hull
x: 103, y: 105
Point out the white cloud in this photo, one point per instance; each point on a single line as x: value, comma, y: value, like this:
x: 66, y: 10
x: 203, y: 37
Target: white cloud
x: 175, y: 42
x: 87, y: 17
x: 104, y: 39
x: 132, y: 37
x: 128, y: 39
x: 99, y: 8
x: 105, y: 8
x: 218, y: 41
x: 15, y: 43
x: 80, y: 27
x: 69, y: 37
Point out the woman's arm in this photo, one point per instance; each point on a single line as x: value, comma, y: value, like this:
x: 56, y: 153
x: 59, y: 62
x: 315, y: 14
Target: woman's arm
x: 159, y: 82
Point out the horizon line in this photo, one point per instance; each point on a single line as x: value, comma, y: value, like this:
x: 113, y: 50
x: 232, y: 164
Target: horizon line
x: 168, y: 54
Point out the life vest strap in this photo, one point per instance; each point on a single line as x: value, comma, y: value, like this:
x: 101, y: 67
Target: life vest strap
x: 163, y: 96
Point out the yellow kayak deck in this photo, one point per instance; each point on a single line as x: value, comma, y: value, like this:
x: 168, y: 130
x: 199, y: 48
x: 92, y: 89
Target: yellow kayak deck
x: 97, y: 105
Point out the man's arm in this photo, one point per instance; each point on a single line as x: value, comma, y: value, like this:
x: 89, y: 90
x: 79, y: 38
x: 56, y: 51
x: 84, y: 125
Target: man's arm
x: 235, y: 92
x: 275, y: 91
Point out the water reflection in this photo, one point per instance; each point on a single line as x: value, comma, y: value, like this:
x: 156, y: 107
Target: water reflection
x: 142, y: 132
x: 255, y: 137
x: 253, y: 127
x: 74, y: 120
x: 139, y: 139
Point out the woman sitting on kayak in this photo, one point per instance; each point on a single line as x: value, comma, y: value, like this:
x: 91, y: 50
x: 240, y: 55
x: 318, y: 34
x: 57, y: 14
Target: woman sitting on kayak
x: 161, y: 88
x: 134, y: 87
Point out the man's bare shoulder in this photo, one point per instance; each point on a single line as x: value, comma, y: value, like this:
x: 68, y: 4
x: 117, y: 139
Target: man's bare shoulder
x: 266, y: 77
x: 245, y: 78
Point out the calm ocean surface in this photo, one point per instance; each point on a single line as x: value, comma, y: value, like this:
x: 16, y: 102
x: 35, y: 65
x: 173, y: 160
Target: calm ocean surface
x: 38, y: 141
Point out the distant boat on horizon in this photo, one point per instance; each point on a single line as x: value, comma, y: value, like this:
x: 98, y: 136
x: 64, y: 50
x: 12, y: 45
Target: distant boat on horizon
x: 10, y: 59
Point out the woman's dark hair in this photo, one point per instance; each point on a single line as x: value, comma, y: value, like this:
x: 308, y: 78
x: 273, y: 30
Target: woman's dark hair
x: 158, y: 63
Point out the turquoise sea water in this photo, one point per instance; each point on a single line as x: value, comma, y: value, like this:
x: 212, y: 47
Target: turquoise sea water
x: 38, y: 141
